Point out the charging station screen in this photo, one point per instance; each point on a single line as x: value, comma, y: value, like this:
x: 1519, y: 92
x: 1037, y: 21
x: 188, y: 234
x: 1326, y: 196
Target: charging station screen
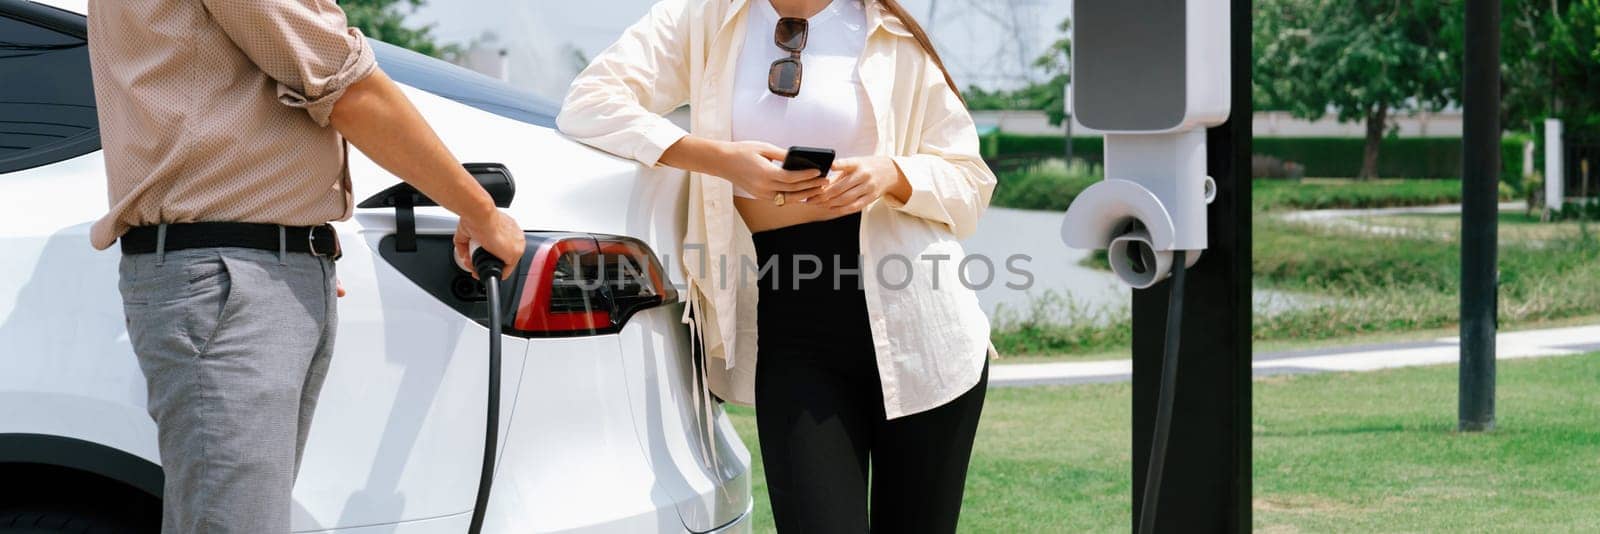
x: 1129, y: 51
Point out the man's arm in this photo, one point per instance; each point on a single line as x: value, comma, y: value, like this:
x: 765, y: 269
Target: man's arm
x: 326, y: 68
x: 375, y: 116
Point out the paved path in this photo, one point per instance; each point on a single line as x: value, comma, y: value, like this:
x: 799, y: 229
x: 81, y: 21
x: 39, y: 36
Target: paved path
x: 1312, y: 215
x: 1357, y: 219
x: 1034, y: 239
x: 1523, y: 344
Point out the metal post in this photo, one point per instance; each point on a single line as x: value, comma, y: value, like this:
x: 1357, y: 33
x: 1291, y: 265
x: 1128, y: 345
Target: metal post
x: 1555, y: 181
x: 1480, y: 170
x: 1207, y: 485
x: 1066, y: 111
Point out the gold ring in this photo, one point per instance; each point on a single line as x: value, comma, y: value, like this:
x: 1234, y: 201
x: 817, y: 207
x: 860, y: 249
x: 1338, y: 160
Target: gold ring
x: 778, y: 199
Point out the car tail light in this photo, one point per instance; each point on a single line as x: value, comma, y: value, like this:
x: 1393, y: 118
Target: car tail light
x: 574, y: 284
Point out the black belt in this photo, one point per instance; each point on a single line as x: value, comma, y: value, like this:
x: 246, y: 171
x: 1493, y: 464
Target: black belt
x: 316, y: 240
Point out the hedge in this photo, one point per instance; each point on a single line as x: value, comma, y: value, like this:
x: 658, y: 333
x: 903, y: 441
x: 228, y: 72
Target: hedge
x: 1323, y: 157
x: 1091, y: 149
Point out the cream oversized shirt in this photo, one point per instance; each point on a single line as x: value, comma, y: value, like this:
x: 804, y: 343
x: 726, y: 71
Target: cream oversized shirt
x: 930, y: 336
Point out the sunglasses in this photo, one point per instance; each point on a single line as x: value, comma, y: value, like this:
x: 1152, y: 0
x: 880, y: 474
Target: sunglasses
x: 783, y: 78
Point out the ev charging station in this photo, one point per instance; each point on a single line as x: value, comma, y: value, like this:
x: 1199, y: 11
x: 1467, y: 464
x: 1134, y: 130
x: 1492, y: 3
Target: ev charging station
x: 1169, y: 83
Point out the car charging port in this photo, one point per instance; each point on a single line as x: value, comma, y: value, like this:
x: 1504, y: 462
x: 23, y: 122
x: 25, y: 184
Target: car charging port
x: 464, y: 287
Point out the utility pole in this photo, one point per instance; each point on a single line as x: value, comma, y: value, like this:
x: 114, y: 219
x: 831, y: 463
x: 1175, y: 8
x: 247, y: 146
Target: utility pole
x: 1480, y: 171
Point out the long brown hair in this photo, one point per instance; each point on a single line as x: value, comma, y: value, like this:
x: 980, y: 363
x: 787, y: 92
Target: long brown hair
x: 921, y: 36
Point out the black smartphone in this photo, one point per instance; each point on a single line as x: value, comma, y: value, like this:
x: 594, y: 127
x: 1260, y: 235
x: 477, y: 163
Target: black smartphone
x: 803, y: 157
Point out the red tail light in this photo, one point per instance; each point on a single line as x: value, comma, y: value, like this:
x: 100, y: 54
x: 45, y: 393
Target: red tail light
x: 573, y: 284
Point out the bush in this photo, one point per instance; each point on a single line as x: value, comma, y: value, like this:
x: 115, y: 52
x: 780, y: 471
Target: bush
x: 1332, y: 194
x: 1051, y: 185
x: 1412, y: 157
x: 1048, y: 185
x: 1264, y: 166
x: 1055, y: 324
x: 1577, y: 211
x: 1087, y: 148
x: 1323, y: 157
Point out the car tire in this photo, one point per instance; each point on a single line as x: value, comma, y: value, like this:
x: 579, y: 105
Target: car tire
x: 63, y: 521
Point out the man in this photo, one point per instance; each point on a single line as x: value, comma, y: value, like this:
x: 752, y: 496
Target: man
x: 223, y: 123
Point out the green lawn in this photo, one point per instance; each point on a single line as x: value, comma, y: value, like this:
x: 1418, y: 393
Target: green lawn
x: 1376, y: 283
x: 1333, y: 453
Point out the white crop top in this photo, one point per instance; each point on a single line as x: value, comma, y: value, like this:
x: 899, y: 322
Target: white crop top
x: 831, y: 110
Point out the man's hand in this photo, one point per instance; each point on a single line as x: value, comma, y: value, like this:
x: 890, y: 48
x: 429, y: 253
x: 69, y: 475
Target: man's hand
x: 500, y: 236
x: 376, y: 117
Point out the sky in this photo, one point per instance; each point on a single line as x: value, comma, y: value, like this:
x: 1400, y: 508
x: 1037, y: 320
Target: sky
x: 989, y: 43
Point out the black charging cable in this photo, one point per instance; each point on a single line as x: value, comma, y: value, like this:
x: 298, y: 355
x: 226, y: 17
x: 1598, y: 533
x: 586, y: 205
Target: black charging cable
x: 489, y: 269
x: 1169, y: 389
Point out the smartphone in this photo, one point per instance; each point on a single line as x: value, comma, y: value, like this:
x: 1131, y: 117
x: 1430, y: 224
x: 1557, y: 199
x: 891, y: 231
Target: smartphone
x: 803, y: 157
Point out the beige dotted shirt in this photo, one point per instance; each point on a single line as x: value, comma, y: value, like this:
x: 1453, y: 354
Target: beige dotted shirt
x: 217, y: 110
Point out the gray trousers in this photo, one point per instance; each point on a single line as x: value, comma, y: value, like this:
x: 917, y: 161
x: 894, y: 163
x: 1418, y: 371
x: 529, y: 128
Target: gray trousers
x: 234, y: 344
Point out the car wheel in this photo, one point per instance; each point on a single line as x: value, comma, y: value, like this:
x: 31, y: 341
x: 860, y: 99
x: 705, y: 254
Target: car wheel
x: 39, y: 520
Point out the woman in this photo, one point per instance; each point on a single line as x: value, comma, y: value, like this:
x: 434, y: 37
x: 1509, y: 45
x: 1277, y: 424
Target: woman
x: 870, y: 346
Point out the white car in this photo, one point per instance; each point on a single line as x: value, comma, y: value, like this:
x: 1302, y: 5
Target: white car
x: 599, y: 430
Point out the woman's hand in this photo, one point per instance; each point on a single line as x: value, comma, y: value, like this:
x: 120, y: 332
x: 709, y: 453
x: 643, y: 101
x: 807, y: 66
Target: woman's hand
x: 749, y: 164
x: 753, y: 166
x: 861, y: 181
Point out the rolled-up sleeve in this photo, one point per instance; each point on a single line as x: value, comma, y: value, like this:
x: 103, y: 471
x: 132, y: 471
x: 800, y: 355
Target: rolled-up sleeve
x: 306, y: 46
x: 616, y: 104
x: 950, y: 183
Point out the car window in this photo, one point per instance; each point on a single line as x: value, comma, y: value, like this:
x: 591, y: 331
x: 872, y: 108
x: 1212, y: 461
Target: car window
x: 47, y: 108
x: 47, y: 111
x: 463, y: 85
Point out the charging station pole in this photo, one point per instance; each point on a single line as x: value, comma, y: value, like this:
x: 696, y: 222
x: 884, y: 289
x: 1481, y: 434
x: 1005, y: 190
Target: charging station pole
x: 1206, y: 486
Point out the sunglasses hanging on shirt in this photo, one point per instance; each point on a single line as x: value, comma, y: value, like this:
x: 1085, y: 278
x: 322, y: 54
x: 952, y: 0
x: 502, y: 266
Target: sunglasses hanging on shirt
x: 783, y: 78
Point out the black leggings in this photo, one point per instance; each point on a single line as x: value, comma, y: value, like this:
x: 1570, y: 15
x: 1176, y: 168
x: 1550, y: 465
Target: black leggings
x: 819, y: 404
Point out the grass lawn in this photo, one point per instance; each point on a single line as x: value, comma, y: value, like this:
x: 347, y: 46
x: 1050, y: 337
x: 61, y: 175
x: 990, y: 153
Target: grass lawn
x: 1377, y: 283
x: 1362, y: 452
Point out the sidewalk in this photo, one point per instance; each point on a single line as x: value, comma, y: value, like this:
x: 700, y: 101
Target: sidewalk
x: 1523, y: 344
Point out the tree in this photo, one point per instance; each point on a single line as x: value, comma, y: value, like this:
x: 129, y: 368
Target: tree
x: 1057, y: 62
x: 1046, y: 96
x: 384, y: 20
x: 1360, y: 59
x: 1550, y: 62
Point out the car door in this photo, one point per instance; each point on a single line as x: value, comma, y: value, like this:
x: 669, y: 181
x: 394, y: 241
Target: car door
x: 66, y: 369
